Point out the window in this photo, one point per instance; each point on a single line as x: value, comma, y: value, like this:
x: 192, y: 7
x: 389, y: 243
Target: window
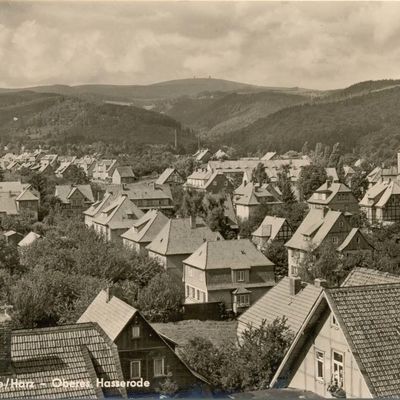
x: 337, y: 368
x: 243, y: 300
x: 159, y: 365
x: 135, y: 331
x: 240, y: 276
x: 136, y: 369
x: 334, y: 239
x: 334, y: 322
x: 198, y: 294
x: 319, y: 365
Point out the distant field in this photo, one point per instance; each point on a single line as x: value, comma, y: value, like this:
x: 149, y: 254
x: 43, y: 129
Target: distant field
x: 181, y: 332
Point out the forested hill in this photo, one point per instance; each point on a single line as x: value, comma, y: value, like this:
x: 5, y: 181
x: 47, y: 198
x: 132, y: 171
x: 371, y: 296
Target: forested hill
x: 53, y: 118
x: 370, y: 123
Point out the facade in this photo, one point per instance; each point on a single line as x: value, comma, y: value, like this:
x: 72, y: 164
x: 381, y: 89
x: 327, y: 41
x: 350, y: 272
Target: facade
x: 144, y: 231
x: 143, y: 353
x: 323, y: 227
x: 123, y: 175
x: 271, y: 229
x: 74, y: 199
x: 170, y: 176
x: 342, y: 353
x: 381, y: 203
x: 116, y: 218
x: 207, y: 181
x: 177, y: 240
x: 334, y: 195
x: 233, y: 272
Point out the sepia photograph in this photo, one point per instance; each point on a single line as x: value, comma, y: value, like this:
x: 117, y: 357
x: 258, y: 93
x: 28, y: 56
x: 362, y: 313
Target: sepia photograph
x: 199, y: 199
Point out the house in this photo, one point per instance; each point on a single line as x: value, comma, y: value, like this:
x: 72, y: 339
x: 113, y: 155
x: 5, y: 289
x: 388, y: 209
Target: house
x: 177, y: 240
x: 381, y: 203
x: 18, y: 198
x: 233, y: 272
x: 104, y: 169
x: 116, y: 218
x: 123, y: 175
x: 41, y: 359
x: 271, y: 229
x: 248, y: 197
x: 348, y: 345
x: 202, y: 156
x: 143, y: 352
x: 87, y: 164
x: 74, y: 199
x: 29, y: 239
x: 323, y: 227
x: 65, y: 163
x: 97, y: 207
x: 220, y: 155
x: 334, y: 195
x: 170, y: 176
x: 144, y: 230
x: 207, y: 181
x: 348, y: 174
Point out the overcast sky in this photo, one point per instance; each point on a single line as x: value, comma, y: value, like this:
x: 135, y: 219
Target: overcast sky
x: 314, y: 45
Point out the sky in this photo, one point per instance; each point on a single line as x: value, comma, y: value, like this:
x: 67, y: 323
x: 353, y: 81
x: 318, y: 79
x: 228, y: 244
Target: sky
x: 319, y: 45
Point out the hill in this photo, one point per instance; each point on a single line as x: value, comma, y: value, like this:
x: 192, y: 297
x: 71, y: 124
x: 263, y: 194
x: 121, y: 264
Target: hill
x: 49, y: 117
x: 219, y: 113
x: 368, y: 123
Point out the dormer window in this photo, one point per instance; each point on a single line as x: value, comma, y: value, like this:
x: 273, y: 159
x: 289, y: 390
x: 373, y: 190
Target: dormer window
x: 135, y: 331
x: 240, y: 276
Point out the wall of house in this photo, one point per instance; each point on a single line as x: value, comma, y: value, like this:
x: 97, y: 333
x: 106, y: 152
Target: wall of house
x: 88, y: 221
x: 328, y: 338
x: 30, y: 206
x: 146, y: 348
x: 391, y: 211
x: 173, y: 264
x: 140, y: 248
x: 242, y: 212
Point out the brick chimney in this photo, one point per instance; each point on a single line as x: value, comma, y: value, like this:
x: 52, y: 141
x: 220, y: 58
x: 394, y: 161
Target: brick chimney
x: 294, y: 285
x: 318, y: 282
x: 192, y: 221
x: 108, y: 293
x: 5, y: 340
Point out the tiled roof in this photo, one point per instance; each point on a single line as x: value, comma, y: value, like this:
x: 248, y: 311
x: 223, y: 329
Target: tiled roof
x: 29, y: 239
x: 232, y: 254
x: 178, y: 237
x: 146, y: 228
x: 140, y: 190
x: 112, y: 315
x: 277, y: 303
x: 367, y: 276
x: 331, y: 190
x: 80, y: 352
x: 274, y: 225
x: 251, y: 194
x: 370, y: 319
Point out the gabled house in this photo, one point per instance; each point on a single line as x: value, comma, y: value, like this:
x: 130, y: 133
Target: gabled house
x: 170, y: 176
x: 41, y: 359
x: 104, y: 169
x: 334, y: 195
x: 178, y: 239
x: 271, y: 229
x: 348, y: 345
x: 116, y: 218
x: 381, y: 203
x: 144, y: 230
x: 18, y: 198
x: 323, y: 227
x: 74, y: 199
x: 248, y: 197
x: 87, y: 164
x: 233, y: 272
x: 143, y: 352
x: 123, y: 175
x: 65, y: 163
x: 207, y: 181
x: 202, y: 156
x: 97, y: 207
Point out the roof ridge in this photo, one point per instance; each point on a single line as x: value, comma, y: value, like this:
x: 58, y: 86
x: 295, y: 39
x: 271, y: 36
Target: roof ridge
x: 361, y: 287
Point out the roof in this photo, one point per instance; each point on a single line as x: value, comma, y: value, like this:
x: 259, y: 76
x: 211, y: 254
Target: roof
x: 79, y: 352
x: 369, y: 317
x: 29, y: 239
x: 367, y: 276
x: 200, y: 154
x: 146, y: 228
x: 269, y: 155
x: 8, y: 204
x: 250, y: 193
x: 200, y: 174
x: 316, y: 226
x: 125, y: 172
x: 227, y: 254
x: 141, y: 190
x: 355, y: 232
x: 178, y: 237
x: 27, y: 195
x: 278, y: 302
x: 64, y: 192
x: 163, y: 178
x: 332, y: 173
x: 112, y: 315
x: 331, y: 190
x: 269, y: 227
x: 13, y: 187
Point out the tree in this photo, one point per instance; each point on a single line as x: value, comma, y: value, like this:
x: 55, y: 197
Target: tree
x: 259, y: 175
x: 192, y: 203
x: 359, y: 183
x: 278, y: 254
x: 305, y: 150
x: 310, y: 179
x: 76, y: 175
x: 335, y: 156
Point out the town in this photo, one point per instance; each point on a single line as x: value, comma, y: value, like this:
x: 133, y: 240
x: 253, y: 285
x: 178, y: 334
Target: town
x: 218, y: 275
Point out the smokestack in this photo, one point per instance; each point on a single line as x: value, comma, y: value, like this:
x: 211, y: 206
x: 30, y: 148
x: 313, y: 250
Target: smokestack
x: 5, y: 340
x: 294, y: 285
x: 192, y: 221
x: 318, y: 282
x: 176, y: 139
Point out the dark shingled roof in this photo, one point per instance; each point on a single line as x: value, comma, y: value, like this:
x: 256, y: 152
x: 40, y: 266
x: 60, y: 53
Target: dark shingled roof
x: 367, y: 276
x: 370, y: 319
x: 80, y: 352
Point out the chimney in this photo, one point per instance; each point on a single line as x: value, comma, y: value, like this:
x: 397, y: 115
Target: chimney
x: 192, y: 221
x: 108, y: 294
x: 320, y: 283
x: 5, y: 340
x: 124, y: 186
x: 329, y: 182
x: 294, y: 285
